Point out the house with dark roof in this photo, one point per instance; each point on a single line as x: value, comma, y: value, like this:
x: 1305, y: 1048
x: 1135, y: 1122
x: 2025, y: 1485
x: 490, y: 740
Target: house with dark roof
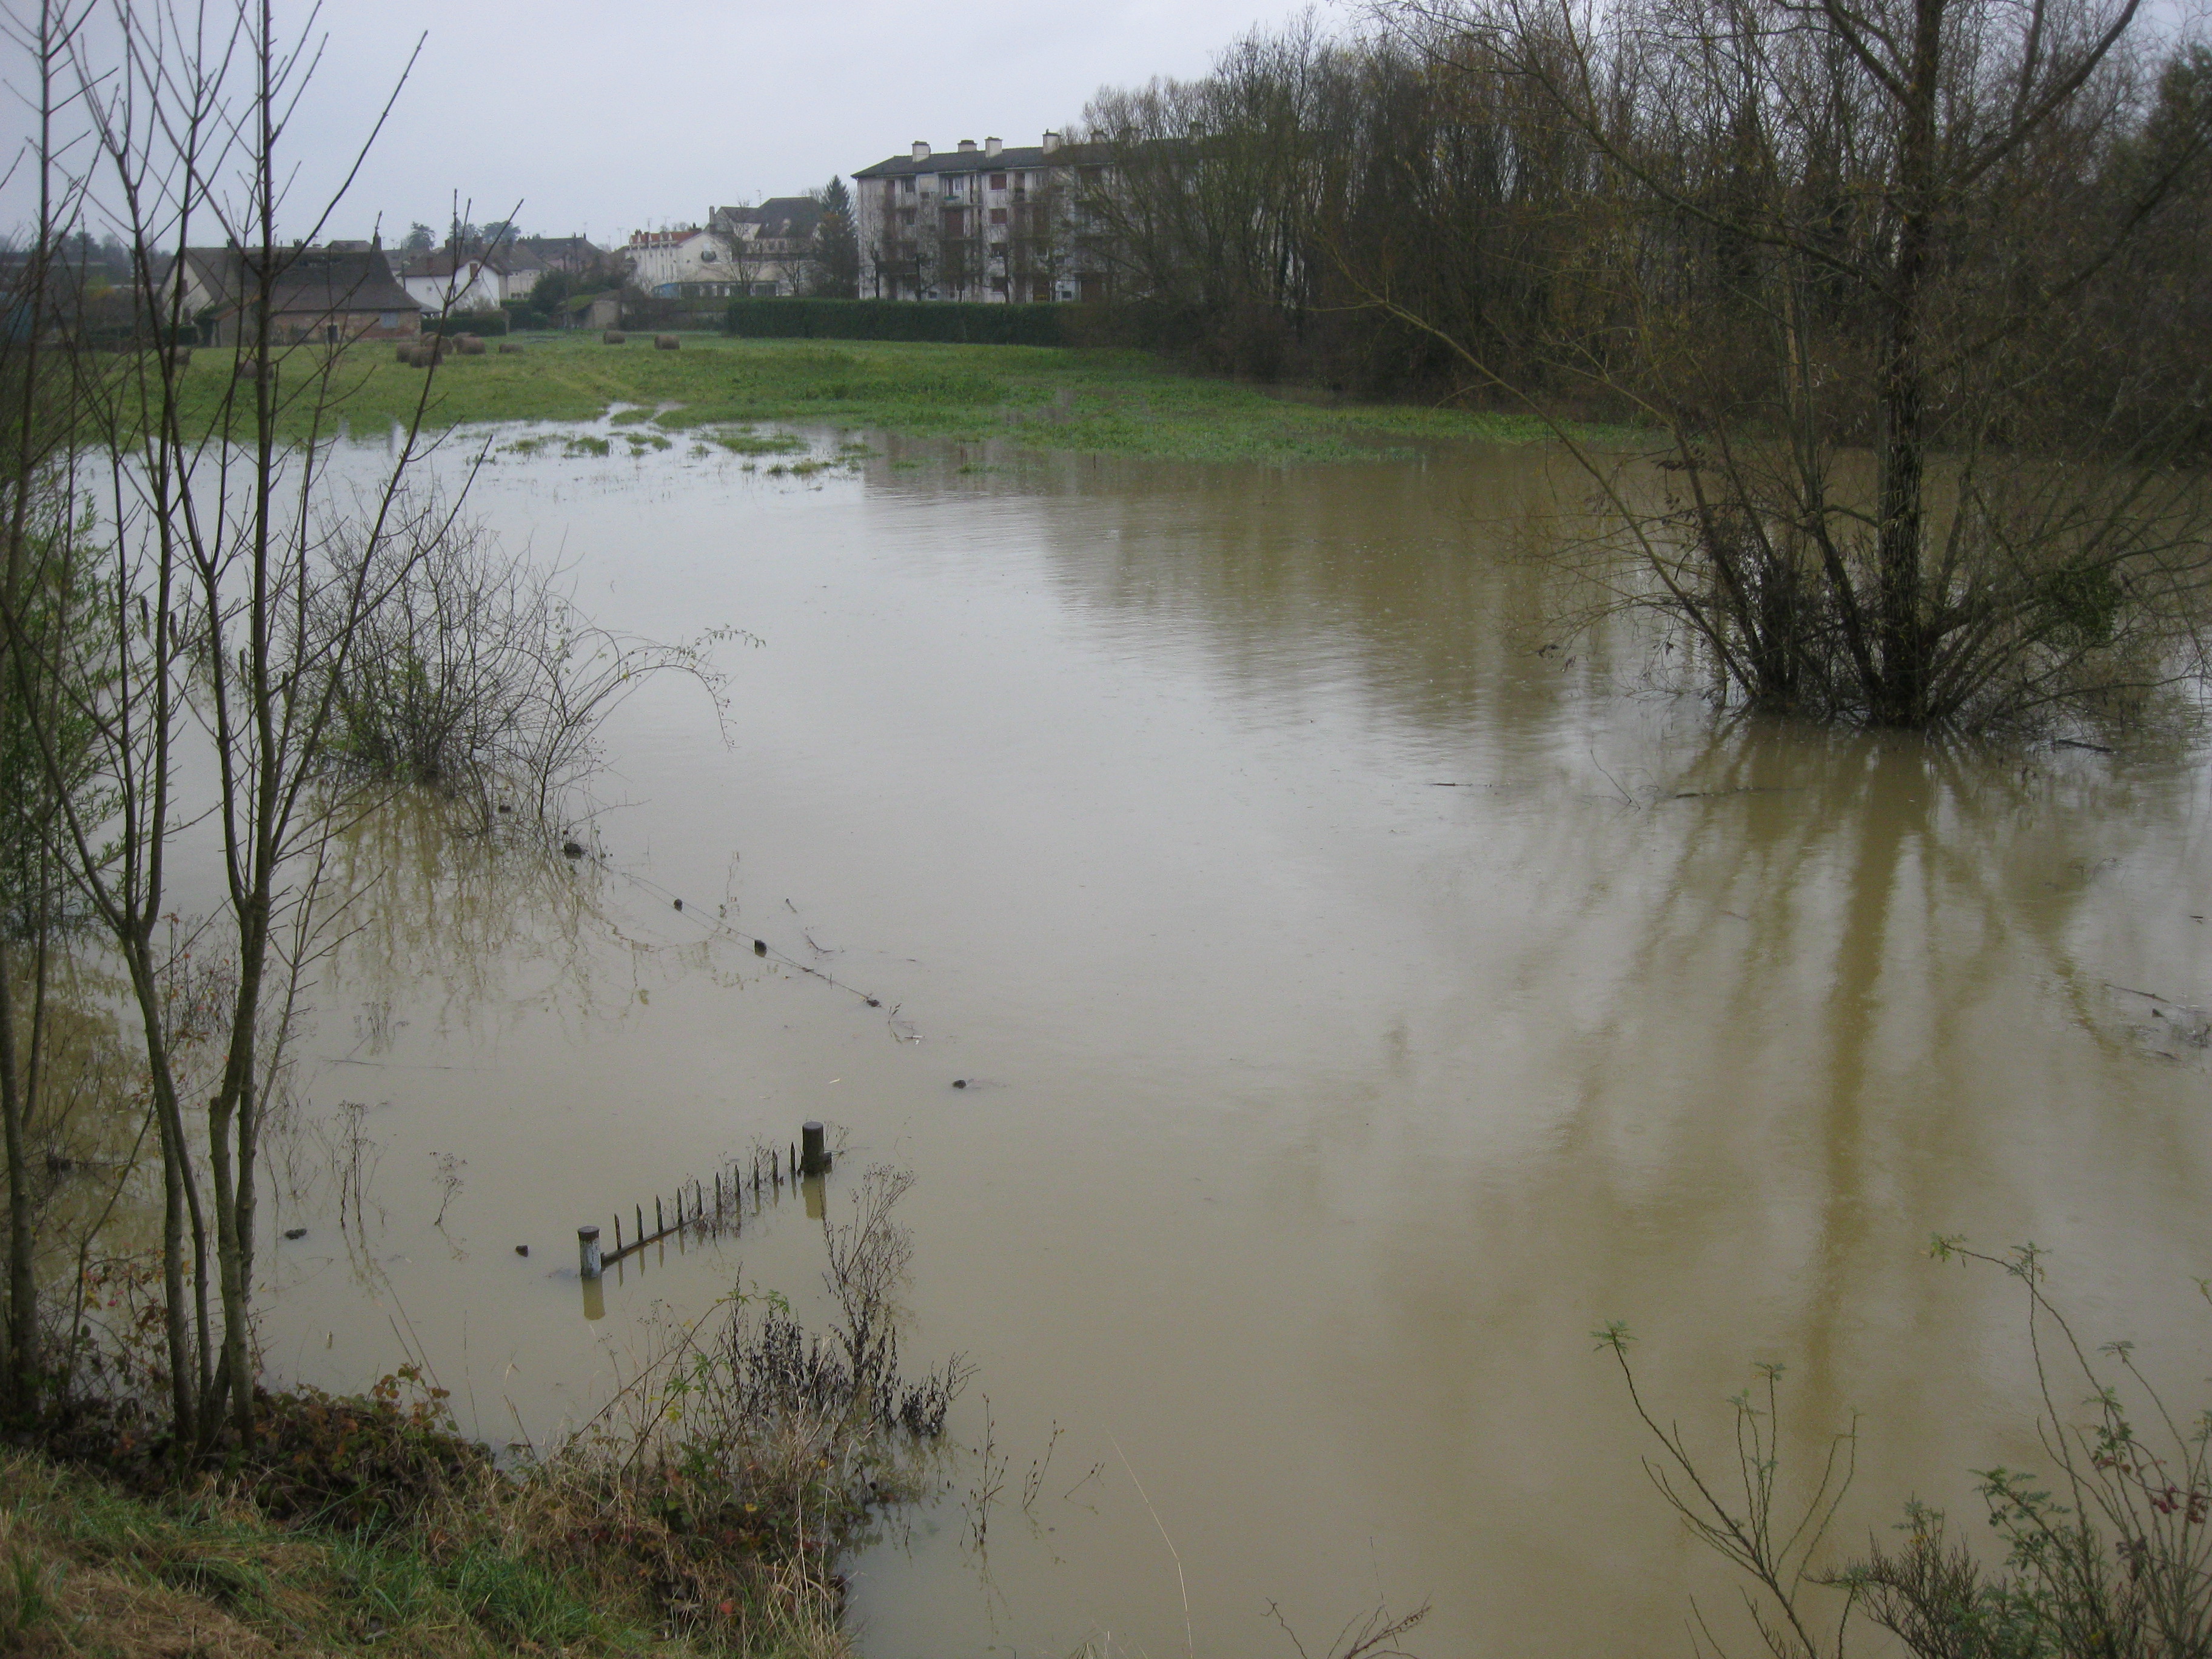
x: 443, y: 280
x: 764, y: 250
x: 315, y: 294
x: 990, y: 222
x: 576, y: 255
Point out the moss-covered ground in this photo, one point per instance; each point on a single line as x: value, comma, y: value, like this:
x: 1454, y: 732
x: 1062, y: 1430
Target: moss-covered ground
x: 1118, y: 402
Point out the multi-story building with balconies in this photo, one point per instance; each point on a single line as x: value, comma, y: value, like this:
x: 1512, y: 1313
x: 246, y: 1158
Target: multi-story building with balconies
x: 984, y: 222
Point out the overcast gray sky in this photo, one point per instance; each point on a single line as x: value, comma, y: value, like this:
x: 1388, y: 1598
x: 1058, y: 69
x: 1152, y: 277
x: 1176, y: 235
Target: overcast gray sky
x: 615, y: 118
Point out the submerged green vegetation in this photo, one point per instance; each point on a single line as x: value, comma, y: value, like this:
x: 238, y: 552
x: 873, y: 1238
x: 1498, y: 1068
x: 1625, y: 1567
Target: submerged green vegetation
x: 1121, y: 403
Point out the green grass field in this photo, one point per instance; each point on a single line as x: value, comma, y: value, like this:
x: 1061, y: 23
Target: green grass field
x: 1109, y: 402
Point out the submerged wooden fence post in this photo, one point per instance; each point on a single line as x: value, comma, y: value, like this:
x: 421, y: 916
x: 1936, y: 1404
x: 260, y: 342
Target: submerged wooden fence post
x: 814, y: 1159
x: 588, y: 1252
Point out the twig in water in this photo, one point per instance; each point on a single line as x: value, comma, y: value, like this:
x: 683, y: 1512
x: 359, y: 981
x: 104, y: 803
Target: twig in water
x: 1189, y: 1646
x: 990, y: 1479
x: 1035, y: 1479
x: 1610, y: 778
x: 449, y: 1178
x: 1374, y: 1639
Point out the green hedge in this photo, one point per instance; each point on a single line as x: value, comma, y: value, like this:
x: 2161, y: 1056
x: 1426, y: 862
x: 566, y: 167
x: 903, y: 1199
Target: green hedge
x: 960, y: 321
x: 466, y: 322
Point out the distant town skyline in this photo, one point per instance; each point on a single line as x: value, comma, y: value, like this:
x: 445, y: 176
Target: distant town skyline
x: 572, y: 119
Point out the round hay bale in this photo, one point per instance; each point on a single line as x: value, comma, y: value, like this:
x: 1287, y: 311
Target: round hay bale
x: 249, y: 369
x: 179, y: 356
x: 470, y: 345
x: 406, y: 352
x: 666, y: 342
x: 614, y: 337
x: 510, y: 348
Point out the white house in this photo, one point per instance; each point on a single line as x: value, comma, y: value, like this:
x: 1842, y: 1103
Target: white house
x: 741, y: 249
x: 441, y: 281
x: 667, y: 263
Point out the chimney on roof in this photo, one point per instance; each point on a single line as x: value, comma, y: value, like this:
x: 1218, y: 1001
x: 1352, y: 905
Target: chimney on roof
x: 992, y: 147
x: 967, y: 145
x: 1051, y: 142
x: 920, y: 150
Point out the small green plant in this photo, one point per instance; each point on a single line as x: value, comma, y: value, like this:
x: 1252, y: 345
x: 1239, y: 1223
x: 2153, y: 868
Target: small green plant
x: 29, y: 1607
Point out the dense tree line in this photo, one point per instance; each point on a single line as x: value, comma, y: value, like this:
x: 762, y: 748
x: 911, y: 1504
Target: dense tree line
x: 1368, y: 208
x: 1872, y: 271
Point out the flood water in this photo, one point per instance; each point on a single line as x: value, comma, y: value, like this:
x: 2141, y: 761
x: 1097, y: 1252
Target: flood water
x: 1358, y: 1007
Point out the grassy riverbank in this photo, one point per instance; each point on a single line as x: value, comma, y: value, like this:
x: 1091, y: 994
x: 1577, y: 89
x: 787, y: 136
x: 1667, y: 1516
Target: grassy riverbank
x: 1117, y: 403
x: 88, y: 1568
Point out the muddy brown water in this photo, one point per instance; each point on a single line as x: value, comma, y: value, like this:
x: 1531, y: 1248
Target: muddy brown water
x: 1359, y: 1006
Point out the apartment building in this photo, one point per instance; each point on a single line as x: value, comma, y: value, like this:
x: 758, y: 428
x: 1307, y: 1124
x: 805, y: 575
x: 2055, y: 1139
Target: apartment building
x: 989, y: 222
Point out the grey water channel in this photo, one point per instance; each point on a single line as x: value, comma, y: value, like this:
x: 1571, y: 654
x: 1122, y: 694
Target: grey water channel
x: 1355, y: 1004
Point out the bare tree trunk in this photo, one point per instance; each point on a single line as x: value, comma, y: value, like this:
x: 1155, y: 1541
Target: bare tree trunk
x: 23, y: 1286
x: 1902, y: 606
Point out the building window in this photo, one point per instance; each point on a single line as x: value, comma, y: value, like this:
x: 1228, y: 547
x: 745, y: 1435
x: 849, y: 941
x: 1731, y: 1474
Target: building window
x: 998, y: 181
x: 997, y: 215
x: 387, y: 320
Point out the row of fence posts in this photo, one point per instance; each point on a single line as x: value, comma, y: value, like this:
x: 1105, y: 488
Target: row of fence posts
x: 810, y: 1155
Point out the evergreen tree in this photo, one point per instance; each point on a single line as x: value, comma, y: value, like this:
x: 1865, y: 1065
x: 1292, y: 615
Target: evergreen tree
x: 836, y: 273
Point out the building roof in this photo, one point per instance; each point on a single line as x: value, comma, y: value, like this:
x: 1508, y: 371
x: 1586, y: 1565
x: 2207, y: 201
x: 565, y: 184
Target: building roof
x: 443, y: 262
x: 1024, y: 157
x: 780, y: 218
x: 562, y: 247
x: 315, y: 279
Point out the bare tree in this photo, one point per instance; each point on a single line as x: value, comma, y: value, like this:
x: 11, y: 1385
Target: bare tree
x: 1816, y: 225
x: 222, y: 617
x: 735, y: 232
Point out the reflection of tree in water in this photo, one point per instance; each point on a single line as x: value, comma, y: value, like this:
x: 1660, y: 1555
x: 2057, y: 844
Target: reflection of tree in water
x: 417, y: 907
x: 1433, y: 589
x: 94, y: 1178
x: 1836, y: 1005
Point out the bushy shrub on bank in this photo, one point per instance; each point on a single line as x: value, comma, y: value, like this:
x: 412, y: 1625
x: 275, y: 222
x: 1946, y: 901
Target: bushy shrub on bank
x: 955, y: 322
